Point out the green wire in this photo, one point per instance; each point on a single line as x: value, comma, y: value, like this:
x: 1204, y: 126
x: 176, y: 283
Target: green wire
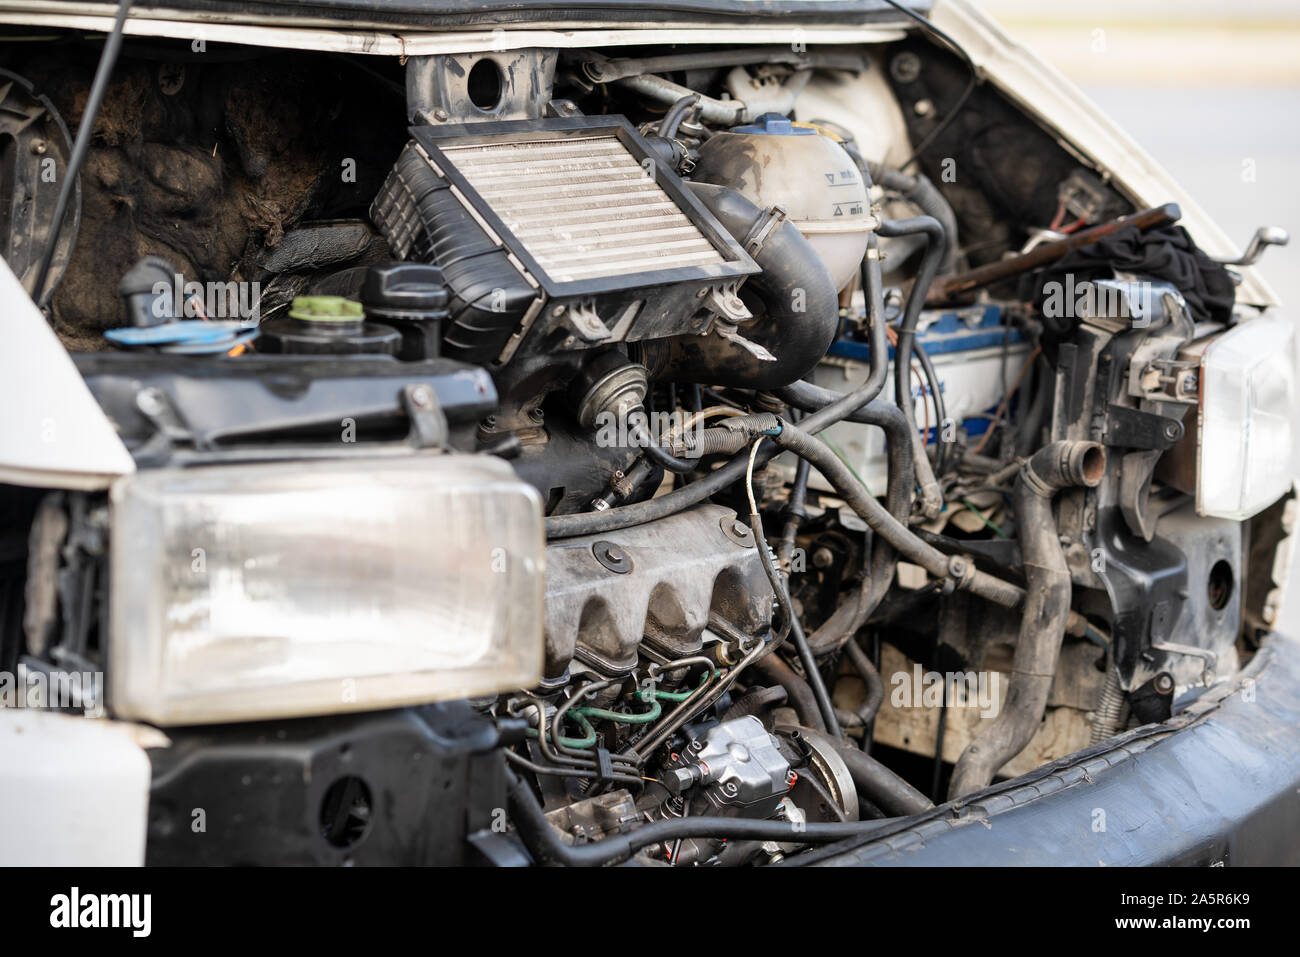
x: 992, y: 527
x: 845, y: 459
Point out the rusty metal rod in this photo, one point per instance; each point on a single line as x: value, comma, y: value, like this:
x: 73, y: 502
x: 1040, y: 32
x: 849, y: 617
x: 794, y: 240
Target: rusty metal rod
x: 946, y: 288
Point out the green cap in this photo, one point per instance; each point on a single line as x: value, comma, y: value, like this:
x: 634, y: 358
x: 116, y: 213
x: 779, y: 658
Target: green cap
x: 326, y: 309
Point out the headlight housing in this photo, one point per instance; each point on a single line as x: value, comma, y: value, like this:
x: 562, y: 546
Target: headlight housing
x: 1245, y: 456
x: 258, y: 591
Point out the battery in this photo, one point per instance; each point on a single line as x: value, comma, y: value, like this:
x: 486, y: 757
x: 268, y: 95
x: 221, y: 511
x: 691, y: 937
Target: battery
x: 976, y: 356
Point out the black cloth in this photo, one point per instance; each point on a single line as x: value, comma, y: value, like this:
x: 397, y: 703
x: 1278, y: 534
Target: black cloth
x: 1166, y: 253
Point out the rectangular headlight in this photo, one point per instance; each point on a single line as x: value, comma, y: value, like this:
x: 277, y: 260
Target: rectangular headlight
x: 1245, y: 457
x: 258, y: 591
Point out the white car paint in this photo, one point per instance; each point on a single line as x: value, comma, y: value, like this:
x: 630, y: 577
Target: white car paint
x: 53, y: 434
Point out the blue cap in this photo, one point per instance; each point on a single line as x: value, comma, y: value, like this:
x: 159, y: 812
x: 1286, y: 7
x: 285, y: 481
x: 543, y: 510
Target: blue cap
x: 774, y: 124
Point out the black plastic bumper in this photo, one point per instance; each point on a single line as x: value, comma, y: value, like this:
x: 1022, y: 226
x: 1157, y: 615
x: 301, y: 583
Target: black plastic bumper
x: 416, y: 786
x: 1217, y: 784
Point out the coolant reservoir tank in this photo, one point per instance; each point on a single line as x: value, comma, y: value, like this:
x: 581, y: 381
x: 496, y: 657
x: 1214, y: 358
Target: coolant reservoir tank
x: 777, y: 162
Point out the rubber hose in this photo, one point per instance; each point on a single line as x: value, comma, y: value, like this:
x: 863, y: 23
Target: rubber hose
x: 546, y: 847
x: 1047, y: 607
x: 796, y: 321
x: 880, y: 785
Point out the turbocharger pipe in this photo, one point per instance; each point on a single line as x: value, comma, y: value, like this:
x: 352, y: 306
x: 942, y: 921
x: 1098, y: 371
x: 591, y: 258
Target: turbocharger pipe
x: 797, y: 310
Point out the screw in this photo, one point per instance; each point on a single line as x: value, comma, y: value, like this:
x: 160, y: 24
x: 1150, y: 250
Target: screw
x: 422, y: 396
x: 612, y: 557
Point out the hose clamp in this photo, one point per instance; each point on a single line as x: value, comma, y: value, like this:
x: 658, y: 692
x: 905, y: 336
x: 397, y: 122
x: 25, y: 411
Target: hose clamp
x: 961, y: 570
x: 758, y: 233
x: 1034, y: 482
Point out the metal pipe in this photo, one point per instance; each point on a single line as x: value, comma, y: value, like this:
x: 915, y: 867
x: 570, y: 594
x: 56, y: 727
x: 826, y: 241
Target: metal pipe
x: 1047, y: 607
x: 951, y: 286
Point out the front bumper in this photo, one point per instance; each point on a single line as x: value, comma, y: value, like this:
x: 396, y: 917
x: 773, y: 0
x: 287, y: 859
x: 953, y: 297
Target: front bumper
x: 1218, y: 784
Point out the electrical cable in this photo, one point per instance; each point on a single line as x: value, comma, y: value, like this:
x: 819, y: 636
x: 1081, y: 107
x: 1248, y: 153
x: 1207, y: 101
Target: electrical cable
x: 80, y: 147
x: 965, y: 94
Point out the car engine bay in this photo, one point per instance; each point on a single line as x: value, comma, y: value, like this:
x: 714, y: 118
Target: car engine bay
x: 865, y: 420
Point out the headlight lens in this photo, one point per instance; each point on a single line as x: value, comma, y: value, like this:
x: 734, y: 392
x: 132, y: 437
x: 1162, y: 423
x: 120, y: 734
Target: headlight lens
x: 1248, y: 393
x: 258, y: 591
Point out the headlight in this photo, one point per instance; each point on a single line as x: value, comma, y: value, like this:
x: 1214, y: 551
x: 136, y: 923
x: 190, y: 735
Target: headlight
x: 1245, y: 456
x: 258, y: 591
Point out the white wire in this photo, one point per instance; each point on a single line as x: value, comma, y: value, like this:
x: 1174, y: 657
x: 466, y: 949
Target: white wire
x: 749, y: 476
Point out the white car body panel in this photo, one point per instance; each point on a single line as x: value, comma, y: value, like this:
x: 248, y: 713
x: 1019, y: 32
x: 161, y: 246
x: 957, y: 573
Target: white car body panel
x: 55, y: 435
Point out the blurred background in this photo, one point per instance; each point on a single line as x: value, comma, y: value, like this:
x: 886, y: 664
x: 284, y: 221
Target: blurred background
x: 1211, y: 89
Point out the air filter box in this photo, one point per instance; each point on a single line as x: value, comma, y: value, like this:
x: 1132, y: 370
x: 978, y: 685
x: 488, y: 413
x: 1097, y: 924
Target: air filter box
x: 560, y: 233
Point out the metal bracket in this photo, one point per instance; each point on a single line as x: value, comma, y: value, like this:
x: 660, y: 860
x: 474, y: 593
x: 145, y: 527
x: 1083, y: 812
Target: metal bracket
x: 1135, y: 429
x: 1209, y: 658
x: 428, y: 422
x: 586, y: 322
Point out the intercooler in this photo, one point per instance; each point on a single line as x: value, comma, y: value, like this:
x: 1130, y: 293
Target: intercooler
x: 567, y: 230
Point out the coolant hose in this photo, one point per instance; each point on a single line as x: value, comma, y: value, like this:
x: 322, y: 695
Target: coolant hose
x: 881, y: 786
x: 1047, y: 606
x: 799, y: 692
x: 546, y: 846
x: 796, y: 318
x: 918, y: 188
x: 850, y: 616
x: 935, y: 249
x: 875, y: 695
x: 839, y: 407
x: 961, y: 570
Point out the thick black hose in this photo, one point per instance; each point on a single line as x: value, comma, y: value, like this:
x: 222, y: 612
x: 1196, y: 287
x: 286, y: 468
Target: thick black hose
x: 676, y: 113
x: 880, y: 785
x: 910, y: 546
x: 848, y: 618
x: 842, y: 406
x: 774, y: 669
x: 797, y: 321
x: 935, y: 250
x: 638, y: 513
x: 546, y: 847
x: 80, y: 147
x: 918, y: 188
